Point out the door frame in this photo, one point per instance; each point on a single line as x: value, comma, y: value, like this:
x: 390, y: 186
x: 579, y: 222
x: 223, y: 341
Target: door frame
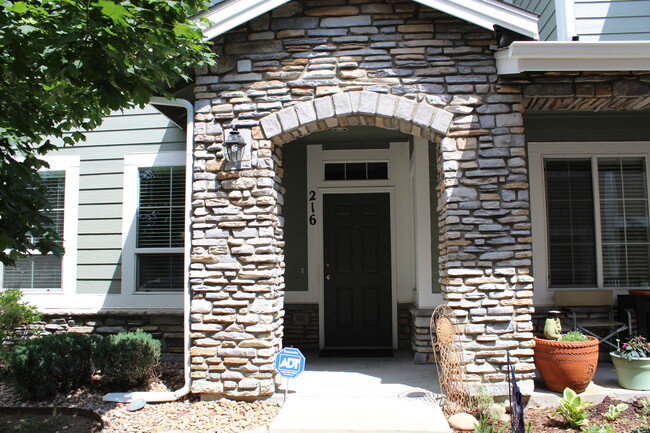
x: 320, y: 245
x: 397, y: 186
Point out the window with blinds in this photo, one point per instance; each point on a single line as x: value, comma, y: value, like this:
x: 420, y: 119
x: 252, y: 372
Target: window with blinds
x: 161, y: 229
x: 598, y: 225
x: 42, y: 272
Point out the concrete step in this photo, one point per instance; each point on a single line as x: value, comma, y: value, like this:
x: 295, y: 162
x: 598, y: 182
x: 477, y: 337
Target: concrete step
x: 341, y: 414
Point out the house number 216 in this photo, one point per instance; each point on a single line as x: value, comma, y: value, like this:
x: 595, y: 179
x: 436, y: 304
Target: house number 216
x: 312, y: 208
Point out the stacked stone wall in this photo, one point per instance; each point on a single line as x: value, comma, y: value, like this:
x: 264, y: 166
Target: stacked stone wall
x: 581, y: 91
x: 301, y: 326
x: 168, y: 328
x: 309, y: 66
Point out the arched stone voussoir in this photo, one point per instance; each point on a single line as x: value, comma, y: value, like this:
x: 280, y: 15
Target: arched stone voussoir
x: 421, y: 114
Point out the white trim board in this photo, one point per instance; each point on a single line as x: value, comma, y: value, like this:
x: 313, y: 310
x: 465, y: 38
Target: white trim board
x: 484, y: 13
x: 573, y: 56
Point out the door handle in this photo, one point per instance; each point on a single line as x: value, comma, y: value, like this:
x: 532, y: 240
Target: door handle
x: 328, y: 277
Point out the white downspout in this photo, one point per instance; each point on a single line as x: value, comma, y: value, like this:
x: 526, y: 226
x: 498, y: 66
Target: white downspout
x: 160, y: 397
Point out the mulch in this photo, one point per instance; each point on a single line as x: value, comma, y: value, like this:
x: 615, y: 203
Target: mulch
x: 187, y: 414
x: 541, y: 422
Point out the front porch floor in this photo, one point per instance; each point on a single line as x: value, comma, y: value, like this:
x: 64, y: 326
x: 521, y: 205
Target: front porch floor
x: 361, y: 395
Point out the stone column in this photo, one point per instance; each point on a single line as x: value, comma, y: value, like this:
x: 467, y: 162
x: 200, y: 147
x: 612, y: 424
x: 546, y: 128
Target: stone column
x: 237, y: 266
x: 485, y: 239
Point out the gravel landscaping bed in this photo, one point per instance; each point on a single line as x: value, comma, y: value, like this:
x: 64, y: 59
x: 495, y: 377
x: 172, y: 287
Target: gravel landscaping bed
x: 188, y: 415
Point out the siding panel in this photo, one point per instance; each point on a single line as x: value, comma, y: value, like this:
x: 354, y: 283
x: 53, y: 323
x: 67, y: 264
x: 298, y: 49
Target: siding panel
x: 611, y: 20
x: 546, y: 10
x: 101, y: 189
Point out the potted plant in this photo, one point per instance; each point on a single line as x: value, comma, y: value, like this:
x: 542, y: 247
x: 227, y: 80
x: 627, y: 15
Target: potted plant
x: 565, y: 360
x: 632, y: 363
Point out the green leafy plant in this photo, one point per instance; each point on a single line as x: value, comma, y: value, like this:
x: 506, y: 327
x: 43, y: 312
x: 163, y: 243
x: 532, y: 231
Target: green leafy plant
x: 68, y: 64
x: 595, y: 428
x: 485, y: 405
x: 572, y: 408
x: 54, y: 363
x: 574, y: 336
x: 486, y: 425
x: 14, y: 313
x: 640, y: 430
x: 645, y: 405
x: 614, y: 411
x: 128, y: 358
x: 633, y: 348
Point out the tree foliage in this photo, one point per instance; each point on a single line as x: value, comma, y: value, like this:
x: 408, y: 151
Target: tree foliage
x: 63, y: 65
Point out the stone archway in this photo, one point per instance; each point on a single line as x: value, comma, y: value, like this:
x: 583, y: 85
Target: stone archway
x: 484, y: 243
x: 387, y: 111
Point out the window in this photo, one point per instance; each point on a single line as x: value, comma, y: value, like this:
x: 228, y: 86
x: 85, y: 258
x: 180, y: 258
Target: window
x: 356, y: 170
x: 154, y: 223
x: 597, y: 222
x: 160, y: 229
x: 38, y: 273
x: 42, y: 271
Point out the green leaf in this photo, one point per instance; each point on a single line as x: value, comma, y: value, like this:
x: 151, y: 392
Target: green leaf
x: 26, y: 29
x: 116, y: 12
x: 185, y: 30
x: 19, y: 7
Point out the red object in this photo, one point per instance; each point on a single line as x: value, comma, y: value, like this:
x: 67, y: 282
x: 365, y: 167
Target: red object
x: 639, y: 292
x: 566, y: 364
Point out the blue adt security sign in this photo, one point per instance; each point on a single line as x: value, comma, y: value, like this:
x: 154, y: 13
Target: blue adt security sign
x: 289, y: 362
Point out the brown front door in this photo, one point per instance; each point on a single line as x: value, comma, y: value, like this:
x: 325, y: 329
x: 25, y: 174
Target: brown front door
x: 357, y: 269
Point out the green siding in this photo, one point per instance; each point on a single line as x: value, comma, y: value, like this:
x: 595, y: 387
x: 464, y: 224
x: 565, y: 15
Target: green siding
x: 100, y: 189
x: 294, y: 160
x: 612, y: 20
x: 547, y: 24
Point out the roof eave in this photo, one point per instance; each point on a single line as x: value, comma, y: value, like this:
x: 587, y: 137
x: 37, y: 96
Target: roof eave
x: 233, y: 13
x: 484, y: 13
x: 489, y: 13
x: 545, y: 56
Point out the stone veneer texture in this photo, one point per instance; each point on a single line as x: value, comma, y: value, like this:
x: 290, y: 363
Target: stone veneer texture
x: 313, y: 65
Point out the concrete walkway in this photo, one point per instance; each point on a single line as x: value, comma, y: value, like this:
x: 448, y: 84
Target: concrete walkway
x: 351, y: 395
x: 362, y: 395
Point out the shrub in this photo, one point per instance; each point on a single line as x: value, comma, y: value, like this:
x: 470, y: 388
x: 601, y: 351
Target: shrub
x: 50, y: 364
x: 14, y: 313
x: 127, y: 359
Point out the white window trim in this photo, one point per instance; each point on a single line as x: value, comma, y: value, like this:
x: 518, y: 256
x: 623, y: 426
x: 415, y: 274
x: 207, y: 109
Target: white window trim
x: 70, y: 165
x: 537, y: 152
x: 132, y: 164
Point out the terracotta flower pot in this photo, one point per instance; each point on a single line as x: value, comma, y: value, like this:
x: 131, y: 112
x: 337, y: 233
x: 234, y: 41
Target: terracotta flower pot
x: 566, y: 364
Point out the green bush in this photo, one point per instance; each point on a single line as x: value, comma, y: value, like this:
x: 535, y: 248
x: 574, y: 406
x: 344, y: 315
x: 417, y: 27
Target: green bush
x: 50, y: 364
x: 14, y: 313
x: 127, y: 359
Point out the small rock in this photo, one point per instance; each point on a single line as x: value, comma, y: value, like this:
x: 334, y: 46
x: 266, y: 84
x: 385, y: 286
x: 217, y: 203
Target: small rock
x: 462, y: 421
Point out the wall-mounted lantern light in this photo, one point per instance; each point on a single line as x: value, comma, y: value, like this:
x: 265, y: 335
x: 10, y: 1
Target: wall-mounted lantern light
x: 235, y: 145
